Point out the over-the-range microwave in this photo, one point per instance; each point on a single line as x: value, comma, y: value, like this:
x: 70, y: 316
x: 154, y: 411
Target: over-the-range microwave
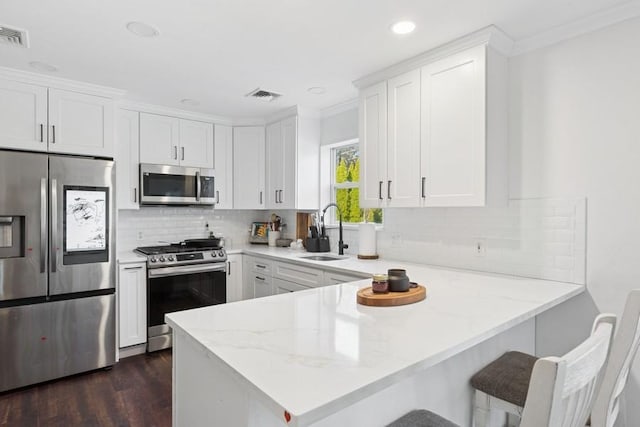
x: 176, y: 185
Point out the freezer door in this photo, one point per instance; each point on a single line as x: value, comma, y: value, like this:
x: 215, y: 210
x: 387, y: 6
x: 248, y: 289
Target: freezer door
x: 81, y: 213
x: 41, y: 342
x: 23, y: 225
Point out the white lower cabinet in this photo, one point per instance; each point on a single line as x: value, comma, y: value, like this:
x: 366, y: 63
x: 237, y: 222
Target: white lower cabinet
x: 307, y: 277
x: 132, y: 304
x: 257, y: 277
x: 333, y: 278
x: 262, y: 286
x: 234, y: 278
x: 283, y: 286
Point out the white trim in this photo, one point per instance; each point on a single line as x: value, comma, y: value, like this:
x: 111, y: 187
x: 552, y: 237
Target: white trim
x: 296, y: 110
x: 59, y: 83
x: 491, y: 35
x: 173, y: 112
x: 579, y: 27
x: 351, y: 104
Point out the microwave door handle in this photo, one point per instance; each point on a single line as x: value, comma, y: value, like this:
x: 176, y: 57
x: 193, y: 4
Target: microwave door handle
x: 43, y: 225
x: 198, y: 189
x: 54, y: 224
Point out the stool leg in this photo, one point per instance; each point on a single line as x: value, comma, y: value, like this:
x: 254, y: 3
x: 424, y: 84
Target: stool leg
x: 481, y: 409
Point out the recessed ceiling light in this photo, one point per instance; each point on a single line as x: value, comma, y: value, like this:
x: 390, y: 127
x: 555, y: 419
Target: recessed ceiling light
x: 317, y: 90
x: 403, y: 27
x: 141, y: 29
x: 43, y: 66
x: 190, y: 102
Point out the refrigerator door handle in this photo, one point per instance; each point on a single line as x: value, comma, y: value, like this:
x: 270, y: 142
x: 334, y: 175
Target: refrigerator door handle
x: 54, y: 225
x: 43, y: 224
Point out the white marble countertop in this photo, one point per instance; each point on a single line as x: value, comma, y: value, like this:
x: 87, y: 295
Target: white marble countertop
x: 317, y: 351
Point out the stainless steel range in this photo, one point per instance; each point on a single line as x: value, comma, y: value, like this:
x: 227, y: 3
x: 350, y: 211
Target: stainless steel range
x: 181, y: 276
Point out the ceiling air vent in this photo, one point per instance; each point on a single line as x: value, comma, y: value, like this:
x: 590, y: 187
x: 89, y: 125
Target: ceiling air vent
x: 14, y: 36
x: 264, y: 95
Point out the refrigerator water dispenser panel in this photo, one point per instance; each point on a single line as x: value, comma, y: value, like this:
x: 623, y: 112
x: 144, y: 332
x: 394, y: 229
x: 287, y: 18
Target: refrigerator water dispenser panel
x: 11, y: 236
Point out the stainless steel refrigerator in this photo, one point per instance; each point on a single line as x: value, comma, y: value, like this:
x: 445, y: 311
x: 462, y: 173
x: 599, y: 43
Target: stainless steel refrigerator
x: 57, y: 268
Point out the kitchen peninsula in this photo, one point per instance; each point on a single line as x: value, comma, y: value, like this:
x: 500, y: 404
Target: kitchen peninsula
x: 318, y: 358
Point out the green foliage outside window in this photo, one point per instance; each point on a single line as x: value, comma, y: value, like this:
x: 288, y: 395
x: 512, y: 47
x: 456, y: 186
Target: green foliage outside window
x: 347, y: 193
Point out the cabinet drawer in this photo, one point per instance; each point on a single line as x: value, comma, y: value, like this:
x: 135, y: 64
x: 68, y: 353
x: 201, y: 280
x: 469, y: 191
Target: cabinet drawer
x: 262, y: 285
x: 260, y: 265
x: 331, y: 278
x: 282, y: 286
x: 305, y: 276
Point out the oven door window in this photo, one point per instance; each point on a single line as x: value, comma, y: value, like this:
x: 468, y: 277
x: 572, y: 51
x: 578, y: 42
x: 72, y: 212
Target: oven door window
x: 165, y: 185
x: 184, y: 292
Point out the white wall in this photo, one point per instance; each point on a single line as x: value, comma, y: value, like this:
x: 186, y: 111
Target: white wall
x: 574, y: 134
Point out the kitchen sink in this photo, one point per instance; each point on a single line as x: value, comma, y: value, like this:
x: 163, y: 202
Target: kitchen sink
x: 322, y: 258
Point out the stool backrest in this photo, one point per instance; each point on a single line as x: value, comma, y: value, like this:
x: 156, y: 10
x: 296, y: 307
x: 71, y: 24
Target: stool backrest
x: 562, y: 389
x: 623, y: 352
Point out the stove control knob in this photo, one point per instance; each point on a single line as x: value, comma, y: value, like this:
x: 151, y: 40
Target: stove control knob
x: 220, y: 253
x: 161, y: 259
x: 213, y: 255
x: 152, y: 259
x: 170, y: 258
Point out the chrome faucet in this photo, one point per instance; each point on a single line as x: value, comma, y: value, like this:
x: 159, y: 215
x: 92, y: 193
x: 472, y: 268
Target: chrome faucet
x: 341, y: 245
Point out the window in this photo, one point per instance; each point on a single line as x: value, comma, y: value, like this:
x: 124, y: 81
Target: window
x: 345, y: 185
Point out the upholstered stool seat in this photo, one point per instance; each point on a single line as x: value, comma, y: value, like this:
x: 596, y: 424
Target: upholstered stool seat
x: 507, y: 377
x: 421, y: 418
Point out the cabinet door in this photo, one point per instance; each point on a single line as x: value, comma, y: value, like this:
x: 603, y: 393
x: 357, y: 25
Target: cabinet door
x: 23, y: 116
x: 301, y: 275
x: 249, y: 167
x: 234, y: 278
x: 196, y: 144
x: 332, y: 278
x: 453, y: 130
x: 373, y: 145
x: 403, y: 143
x: 223, y: 156
x: 127, y: 159
x: 287, y: 195
x: 159, y: 139
x: 80, y: 123
x: 262, y: 286
x: 274, y: 164
x: 132, y: 303
x: 284, y: 287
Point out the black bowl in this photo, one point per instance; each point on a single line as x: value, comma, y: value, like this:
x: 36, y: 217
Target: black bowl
x: 398, y: 283
x: 397, y: 272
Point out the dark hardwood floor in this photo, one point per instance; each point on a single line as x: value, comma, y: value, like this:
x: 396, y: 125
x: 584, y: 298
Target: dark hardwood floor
x: 136, y: 392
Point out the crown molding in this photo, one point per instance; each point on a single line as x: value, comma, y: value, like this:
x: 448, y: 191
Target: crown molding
x: 173, y: 112
x: 296, y: 110
x: 491, y: 36
x: 249, y: 121
x: 573, y: 29
x: 59, y: 83
x: 339, y: 108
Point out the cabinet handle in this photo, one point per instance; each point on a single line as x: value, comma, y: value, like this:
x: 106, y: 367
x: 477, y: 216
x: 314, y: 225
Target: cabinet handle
x: 41, y: 132
x: 261, y: 266
x: 260, y: 278
x: 422, y: 184
x: 261, y: 197
x: 175, y: 152
x: 277, y: 196
x: 134, y: 268
x: 135, y: 195
x: 380, y: 190
x: 228, y: 268
x: 217, y: 197
x: 280, y: 195
x: 182, y: 155
x: 389, y: 190
x: 53, y: 134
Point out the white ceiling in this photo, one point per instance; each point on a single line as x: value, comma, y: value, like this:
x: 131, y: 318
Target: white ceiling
x: 216, y: 51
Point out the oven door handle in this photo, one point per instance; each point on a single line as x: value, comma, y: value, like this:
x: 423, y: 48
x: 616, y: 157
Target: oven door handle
x: 185, y: 269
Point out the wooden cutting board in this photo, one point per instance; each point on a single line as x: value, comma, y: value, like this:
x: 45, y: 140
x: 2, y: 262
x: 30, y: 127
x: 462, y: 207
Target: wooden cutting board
x: 392, y: 299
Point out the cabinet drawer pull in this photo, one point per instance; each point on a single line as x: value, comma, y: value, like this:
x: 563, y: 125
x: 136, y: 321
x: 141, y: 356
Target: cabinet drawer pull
x: 422, y: 186
x: 53, y: 134
x: 389, y: 190
x: 380, y: 190
x: 260, y: 278
x: 134, y: 268
x: 41, y: 132
x: 261, y: 266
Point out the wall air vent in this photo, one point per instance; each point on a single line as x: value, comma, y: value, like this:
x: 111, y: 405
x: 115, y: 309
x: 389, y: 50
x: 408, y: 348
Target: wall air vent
x: 14, y: 36
x: 264, y: 95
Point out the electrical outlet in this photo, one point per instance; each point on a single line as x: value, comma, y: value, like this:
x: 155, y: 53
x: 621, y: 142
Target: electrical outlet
x: 396, y: 239
x: 140, y: 235
x: 481, y: 247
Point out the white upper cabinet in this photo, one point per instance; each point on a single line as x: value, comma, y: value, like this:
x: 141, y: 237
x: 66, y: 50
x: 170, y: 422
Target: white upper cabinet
x: 127, y: 159
x: 80, y: 123
x: 37, y: 118
x: 403, y: 140
x: 436, y: 136
x: 23, y: 116
x: 172, y: 141
x: 373, y: 144
x: 453, y: 130
x: 274, y: 164
x: 249, y: 167
x: 223, y: 156
x: 159, y: 139
x: 196, y: 144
